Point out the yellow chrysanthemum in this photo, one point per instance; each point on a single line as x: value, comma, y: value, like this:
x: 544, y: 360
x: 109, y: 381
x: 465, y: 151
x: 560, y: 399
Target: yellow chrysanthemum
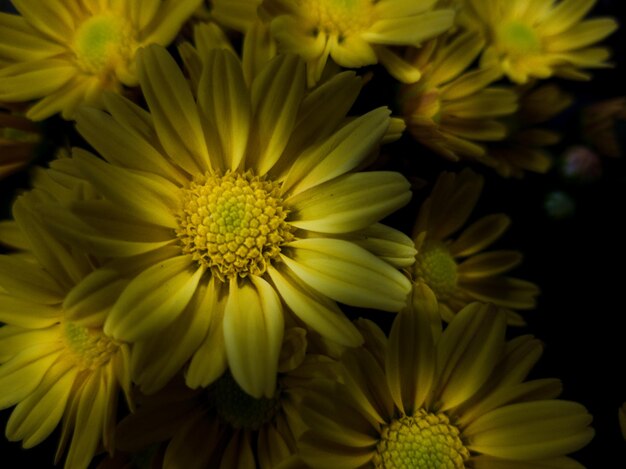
x: 451, y: 109
x: 234, y: 202
x: 523, y: 149
x: 539, y: 38
x: 355, y: 32
x: 222, y: 426
x: 19, y: 138
x: 67, y: 53
x: 54, y: 366
x: 455, y: 269
x: 454, y: 399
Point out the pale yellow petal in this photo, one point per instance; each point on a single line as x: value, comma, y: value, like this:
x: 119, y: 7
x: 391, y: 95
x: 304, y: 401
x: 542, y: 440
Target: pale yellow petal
x: 277, y: 92
x: 348, y: 273
x: 253, y: 331
x: 153, y: 299
x: 173, y: 109
x: 338, y: 154
x: 225, y: 100
x: 350, y: 202
x: 29, y: 281
x: 151, y: 198
x: 316, y: 311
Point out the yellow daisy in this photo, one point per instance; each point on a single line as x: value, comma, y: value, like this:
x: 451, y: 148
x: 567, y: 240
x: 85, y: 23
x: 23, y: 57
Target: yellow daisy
x: 223, y: 207
x: 54, y: 367
x: 453, y: 110
x: 456, y: 269
x: 64, y: 54
x: 452, y: 399
x: 355, y: 32
x: 19, y: 138
x: 523, y: 149
x: 539, y: 38
x: 223, y: 426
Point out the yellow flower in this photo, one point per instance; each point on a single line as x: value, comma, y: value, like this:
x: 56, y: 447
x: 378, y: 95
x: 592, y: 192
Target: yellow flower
x: 223, y: 426
x: 54, y: 366
x: 538, y: 38
x: 67, y: 53
x: 19, y: 138
x: 451, y: 399
x: 523, y: 150
x: 224, y: 206
x: 355, y: 32
x: 451, y: 109
x: 455, y: 269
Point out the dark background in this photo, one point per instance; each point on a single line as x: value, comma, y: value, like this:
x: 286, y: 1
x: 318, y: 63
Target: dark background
x: 577, y: 261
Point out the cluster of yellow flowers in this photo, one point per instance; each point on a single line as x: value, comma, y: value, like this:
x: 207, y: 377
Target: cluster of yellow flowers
x: 195, y: 250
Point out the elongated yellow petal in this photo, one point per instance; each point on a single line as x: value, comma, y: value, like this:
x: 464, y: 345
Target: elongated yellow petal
x: 28, y: 281
x: 540, y: 429
x: 173, y: 109
x: 350, y: 202
x: 348, y: 273
x: 225, y: 101
x: 317, y: 312
x: 253, y: 330
x: 341, y: 152
x: 277, y: 92
x: 153, y: 299
x: 156, y: 360
x: 467, y: 352
x: 121, y: 145
x: 36, y: 417
x: 149, y: 197
x: 31, y: 80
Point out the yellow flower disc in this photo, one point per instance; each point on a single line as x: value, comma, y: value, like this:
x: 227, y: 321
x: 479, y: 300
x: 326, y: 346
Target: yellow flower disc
x: 102, y: 42
x: 340, y: 17
x: 518, y: 38
x: 424, y: 441
x: 233, y: 224
x: 437, y: 268
x: 90, y: 348
x: 240, y: 410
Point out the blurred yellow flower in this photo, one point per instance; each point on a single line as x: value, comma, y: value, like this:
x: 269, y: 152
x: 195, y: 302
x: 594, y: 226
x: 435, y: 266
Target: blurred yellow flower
x: 64, y: 54
x: 355, y: 32
x: 19, y: 138
x: 451, y: 399
x: 539, y: 38
x: 451, y: 109
x: 523, y: 149
x: 225, y: 206
x: 223, y: 426
x: 55, y: 366
x: 456, y: 269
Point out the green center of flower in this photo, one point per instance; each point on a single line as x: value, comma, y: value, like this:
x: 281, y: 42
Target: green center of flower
x: 423, y: 441
x: 518, y: 38
x: 240, y: 410
x: 339, y: 17
x: 89, y: 346
x: 437, y: 268
x: 233, y: 224
x: 102, y: 42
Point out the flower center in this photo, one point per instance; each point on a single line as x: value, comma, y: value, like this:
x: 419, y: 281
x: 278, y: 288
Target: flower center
x: 90, y: 347
x: 518, y: 38
x: 438, y: 269
x: 240, y: 410
x: 339, y: 17
x: 424, y: 441
x: 233, y: 224
x: 102, y: 42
